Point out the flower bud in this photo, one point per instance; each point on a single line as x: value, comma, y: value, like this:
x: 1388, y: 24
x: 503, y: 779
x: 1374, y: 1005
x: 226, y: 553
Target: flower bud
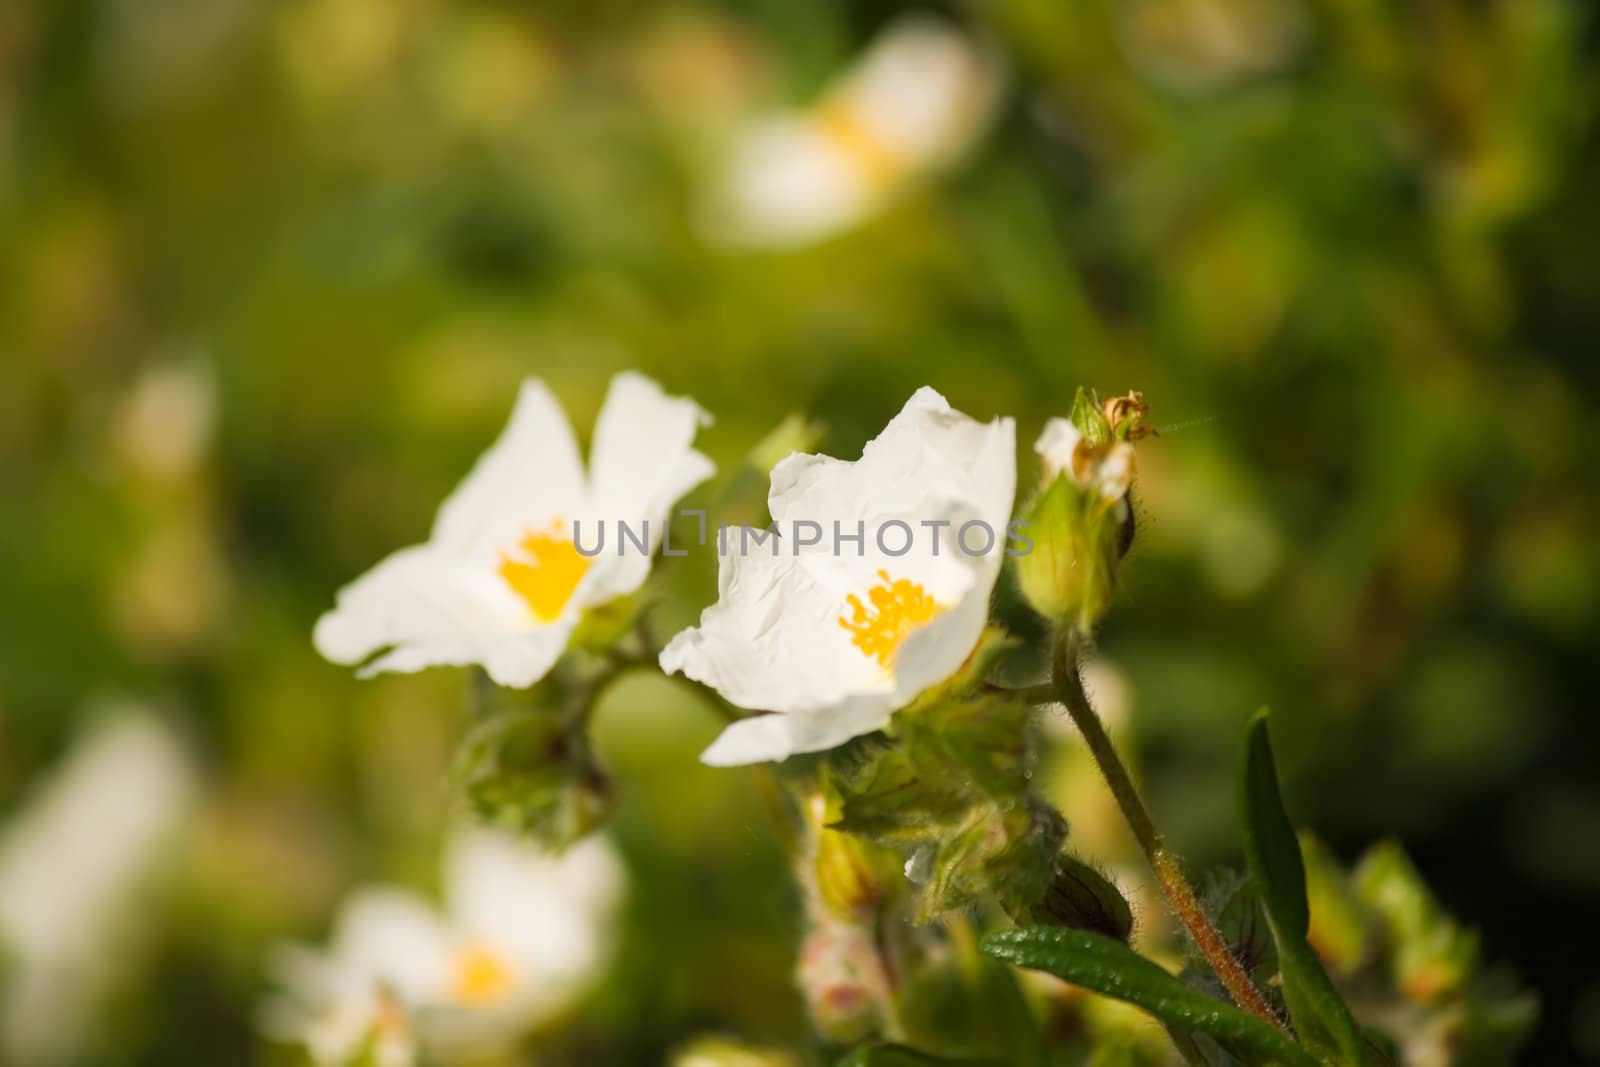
x: 531, y: 772
x: 842, y: 978
x: 1081, y: 523
x: 1081, y: 898
x: 850, y: 874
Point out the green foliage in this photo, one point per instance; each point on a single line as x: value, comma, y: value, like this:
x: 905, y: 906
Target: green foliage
x: 888, y: 1055
x: 1113, y: 969
x: 953, y: 791
x: 533, y: 771
x: 1432, y: 955
x: 1321, y: 1018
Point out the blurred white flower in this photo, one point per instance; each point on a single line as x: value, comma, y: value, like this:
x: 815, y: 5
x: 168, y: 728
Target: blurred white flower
x: 166, y: 421
x: 837, y: 635
x: 501, y: 582
x: 72, y: 864
x: 913, y: 104
x: 522, y: 935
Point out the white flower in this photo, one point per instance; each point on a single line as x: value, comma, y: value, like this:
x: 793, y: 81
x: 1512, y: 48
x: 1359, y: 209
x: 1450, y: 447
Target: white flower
x: 914, y: 103
x: 71, y: 867
x: 834, y: 640
x: 522, y: 935
x: 1107, y: 470
x: 500, y: 582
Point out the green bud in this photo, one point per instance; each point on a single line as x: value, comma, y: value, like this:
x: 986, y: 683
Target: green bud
x: 1078, y: 538
x: 1081, y: 898
x: 530, y: 772
x: 851, y: 875
x: 1080, y: 525
x: 842, y: 978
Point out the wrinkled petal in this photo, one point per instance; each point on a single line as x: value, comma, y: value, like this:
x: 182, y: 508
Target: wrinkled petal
x: 531, y: 475
x: 807, y: 635
x: 772, y: 641
x: 642, y: 462
x: 927, y: 455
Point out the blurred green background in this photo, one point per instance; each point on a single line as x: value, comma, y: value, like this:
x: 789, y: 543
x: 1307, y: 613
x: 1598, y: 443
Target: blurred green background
x: 270, y: 272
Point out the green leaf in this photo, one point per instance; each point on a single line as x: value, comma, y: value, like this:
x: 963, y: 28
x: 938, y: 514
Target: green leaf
x: 1320, y: 1015
x: 1111, y: 968
x: 883, y: 1055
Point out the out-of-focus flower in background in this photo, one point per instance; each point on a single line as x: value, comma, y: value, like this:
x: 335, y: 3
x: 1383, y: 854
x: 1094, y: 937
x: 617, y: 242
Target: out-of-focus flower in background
x: 912, y: 105
x: 523, y: 934
x: 835, y: 636
x: 1196, y: 46
x: 501, y: 583
x: 75, y: 866
x: 166, y: 420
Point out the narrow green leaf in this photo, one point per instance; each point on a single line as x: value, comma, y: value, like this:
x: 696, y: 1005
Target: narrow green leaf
x: 1113, y: 969
x: 1320, y: 1015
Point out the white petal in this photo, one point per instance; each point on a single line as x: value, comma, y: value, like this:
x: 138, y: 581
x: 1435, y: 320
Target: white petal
x: 763, y: 738
x: 1115, y: 476
x: 429, y: 609
x: 927, y: 456
x: 788, y: 183
x: 1056, y: 446
x: 393, y: 937
x: 642, y: 462
x: 772, y: 641
x: 528, y: 478
x: 924, y: 90
x: 758, y: 739
x: 934, y: 652
x: 552, y: 915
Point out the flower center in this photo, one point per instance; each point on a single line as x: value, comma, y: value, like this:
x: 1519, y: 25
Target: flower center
x: 897, y: 606
x: 479, y: 978
x: 546, y: 570
x: 866, y: 151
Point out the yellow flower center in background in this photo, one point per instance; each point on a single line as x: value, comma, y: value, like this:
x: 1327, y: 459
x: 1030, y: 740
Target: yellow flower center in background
x: 897, y: 607
x: 479, y: 978
x: 874, y: 160
x: 548, y: 572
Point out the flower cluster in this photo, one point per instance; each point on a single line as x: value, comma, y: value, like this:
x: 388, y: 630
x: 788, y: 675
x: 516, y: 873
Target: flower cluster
x: 887, y: 668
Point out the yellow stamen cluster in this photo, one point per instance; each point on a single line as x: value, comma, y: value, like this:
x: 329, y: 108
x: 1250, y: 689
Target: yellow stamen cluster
x: 898, y: 606
x: 547, y: 572
x: 479, y: 978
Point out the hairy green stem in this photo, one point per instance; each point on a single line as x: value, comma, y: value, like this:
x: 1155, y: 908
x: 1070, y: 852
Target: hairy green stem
x: 1067, y: 687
